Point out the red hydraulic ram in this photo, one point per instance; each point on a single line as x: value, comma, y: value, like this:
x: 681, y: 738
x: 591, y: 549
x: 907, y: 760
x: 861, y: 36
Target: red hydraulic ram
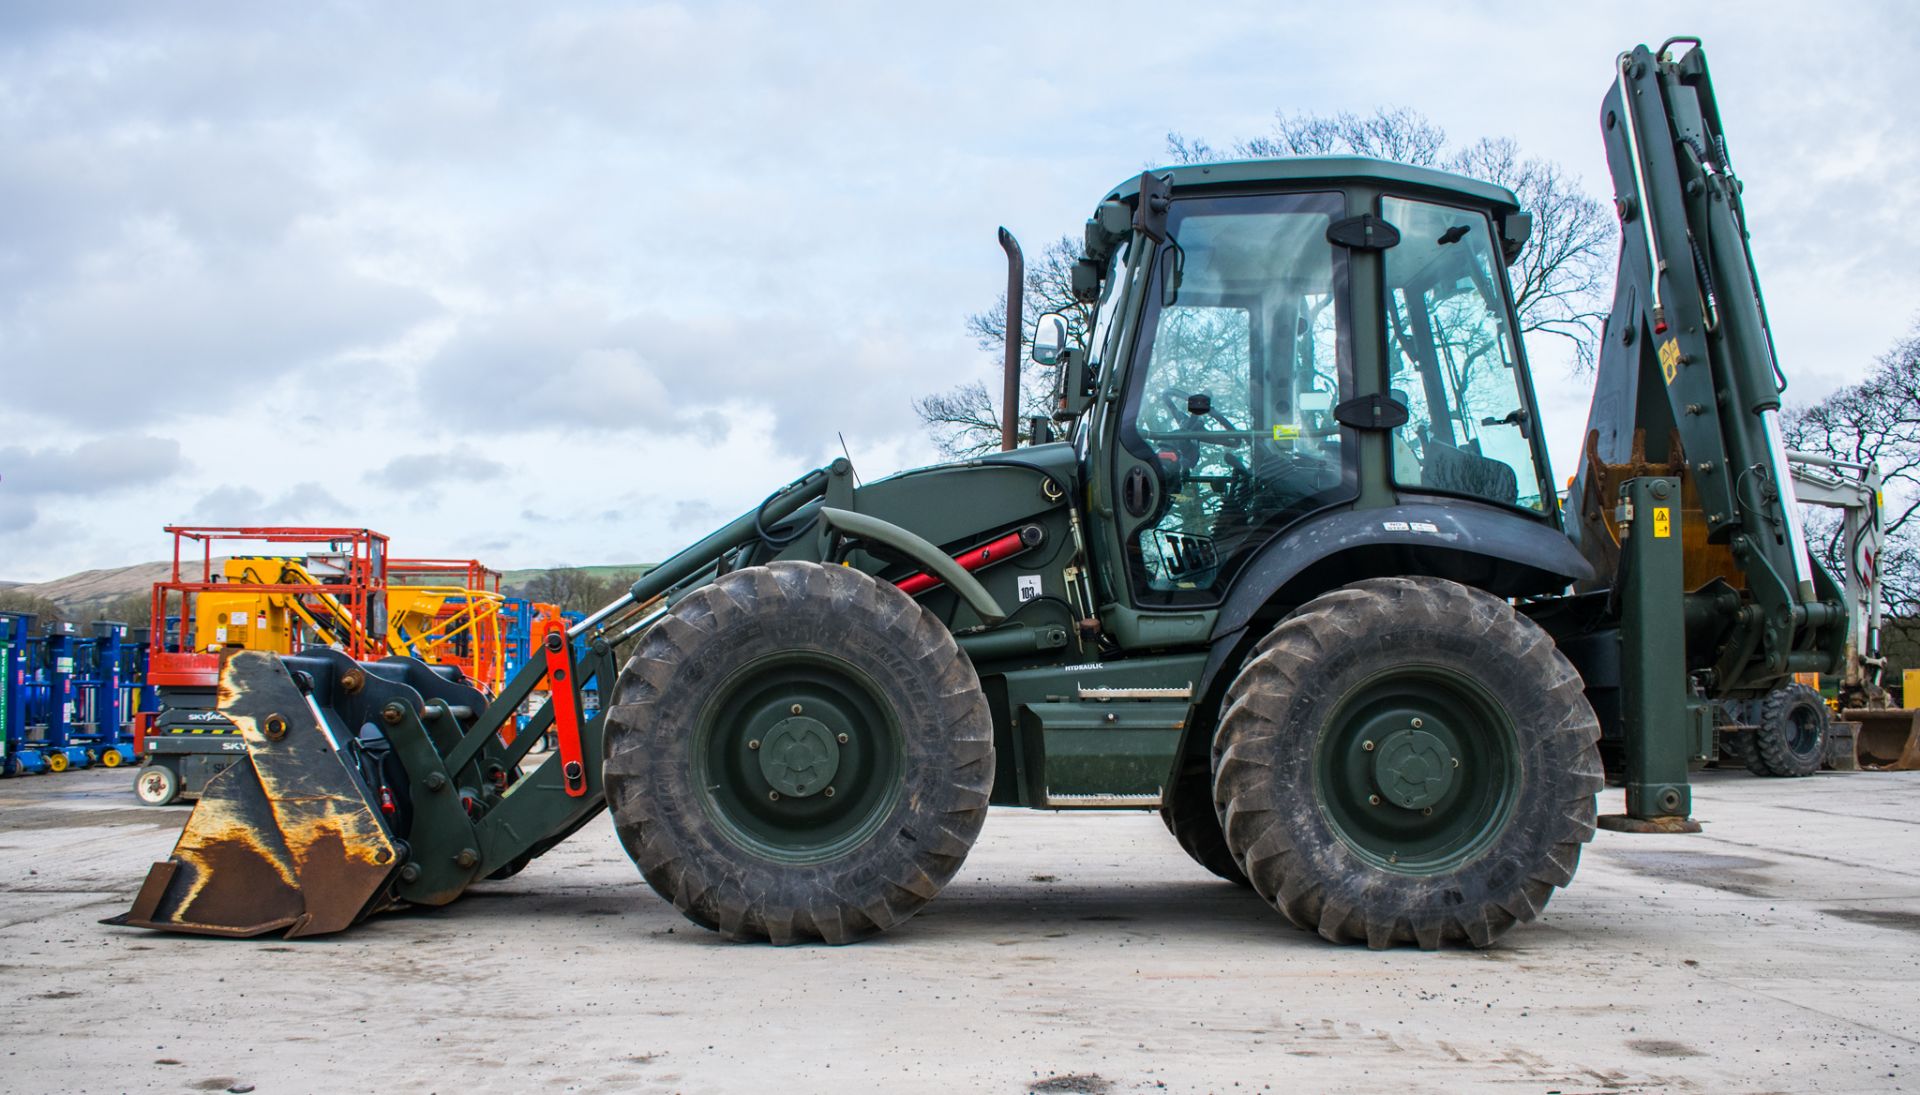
x: 1013, y: 543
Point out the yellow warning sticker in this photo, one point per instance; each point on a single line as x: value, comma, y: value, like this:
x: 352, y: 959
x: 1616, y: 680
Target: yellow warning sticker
x: 1285, y: 433
x: 1670, y: 359
x: 1662, y: 522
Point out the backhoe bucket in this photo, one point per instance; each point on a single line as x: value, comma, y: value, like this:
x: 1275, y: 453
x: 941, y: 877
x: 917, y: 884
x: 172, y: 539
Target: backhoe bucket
x: 285, y: 839
x: 1889, y: 738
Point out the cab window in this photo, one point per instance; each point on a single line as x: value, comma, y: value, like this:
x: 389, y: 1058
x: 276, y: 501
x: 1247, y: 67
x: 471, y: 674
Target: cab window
x: 1239, y: 363
x: 1452, y: 362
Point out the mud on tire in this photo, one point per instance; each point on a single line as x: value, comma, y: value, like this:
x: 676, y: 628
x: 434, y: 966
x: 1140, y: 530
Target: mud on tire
x: 1407, y: 761
x: 798, y: 752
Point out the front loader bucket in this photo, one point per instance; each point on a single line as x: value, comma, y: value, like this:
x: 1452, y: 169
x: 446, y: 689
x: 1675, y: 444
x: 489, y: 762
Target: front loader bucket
x: 283, y: 839
x: 1889, y: 738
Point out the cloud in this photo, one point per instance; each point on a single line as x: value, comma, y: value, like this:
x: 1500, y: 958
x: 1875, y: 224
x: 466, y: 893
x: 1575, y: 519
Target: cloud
x: 421, y: 470
x: 89, y: 468
x: 573, y: 364
x: 304, y: 503
x: 172, y: 330
x: 81, y: 477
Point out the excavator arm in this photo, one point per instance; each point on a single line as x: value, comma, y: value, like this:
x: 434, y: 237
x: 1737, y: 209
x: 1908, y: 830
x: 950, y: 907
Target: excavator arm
x: 1688, y: 388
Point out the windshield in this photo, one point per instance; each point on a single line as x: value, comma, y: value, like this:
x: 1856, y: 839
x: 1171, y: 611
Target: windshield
x: 1452, y: 360
x: 1238, y: 366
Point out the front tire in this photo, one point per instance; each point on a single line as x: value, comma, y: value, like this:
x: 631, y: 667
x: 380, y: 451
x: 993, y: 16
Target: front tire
x: 1407, y: 761
x: 798, y: 752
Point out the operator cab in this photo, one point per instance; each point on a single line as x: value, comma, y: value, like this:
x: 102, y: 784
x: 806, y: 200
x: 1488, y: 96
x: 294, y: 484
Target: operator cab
x: 1255, y: 342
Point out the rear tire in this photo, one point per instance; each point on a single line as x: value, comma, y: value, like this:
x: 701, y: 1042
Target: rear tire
x: 798, y: 752
x: 1189, y: 815
x: 1791, y: 740
x: 156, y: 785
x: 1407, y: 760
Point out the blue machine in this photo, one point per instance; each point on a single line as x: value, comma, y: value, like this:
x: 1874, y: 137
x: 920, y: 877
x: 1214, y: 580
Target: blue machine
x: 101, y: 696
x: 58, y: 654
x: 134, y: 655
x: 16, y: 757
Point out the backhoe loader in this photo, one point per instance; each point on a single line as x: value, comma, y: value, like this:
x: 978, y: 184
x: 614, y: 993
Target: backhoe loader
x: 1294, y: 573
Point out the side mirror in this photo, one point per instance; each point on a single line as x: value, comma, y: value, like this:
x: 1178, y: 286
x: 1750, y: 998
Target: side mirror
x: 1515, y: 230
x: 1049, y: 338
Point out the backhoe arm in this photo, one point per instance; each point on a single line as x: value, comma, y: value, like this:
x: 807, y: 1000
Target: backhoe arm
x: 1689, y: 385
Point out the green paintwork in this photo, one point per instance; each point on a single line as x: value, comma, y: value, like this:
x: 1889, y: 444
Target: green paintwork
x: 1055, y: 742
x: 1682, y: 363
x: 1415, y: 768
x: 800, y: 755
x: 1653, y: 675
x: 1321, y: 172
x: 1123, y: 748
x: 887, y: 534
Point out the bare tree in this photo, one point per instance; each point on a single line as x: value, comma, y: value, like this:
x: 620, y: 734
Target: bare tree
x: 1878, y: 421
x: 965, y: 420
x: 1560, y: 282
x: 575, y: 589
x: 41, y: 609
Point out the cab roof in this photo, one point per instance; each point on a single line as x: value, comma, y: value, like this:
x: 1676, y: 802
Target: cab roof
x: 1329, y: 169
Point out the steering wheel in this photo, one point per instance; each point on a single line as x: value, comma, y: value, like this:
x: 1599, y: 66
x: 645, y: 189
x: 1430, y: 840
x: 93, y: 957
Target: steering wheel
x: 1177, y: 406
x: 1186, y: 450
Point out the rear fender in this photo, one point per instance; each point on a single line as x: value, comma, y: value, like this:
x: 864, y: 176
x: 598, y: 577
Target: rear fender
x: 1484, y: 546
x: 1479, y: 545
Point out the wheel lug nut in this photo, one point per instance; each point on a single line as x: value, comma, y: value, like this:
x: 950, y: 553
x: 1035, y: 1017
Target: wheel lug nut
x: 1456, y: 762
x: 754, y: 744
x: 773, y: 796
x: 795, y: 709
x: 1373, y: 800
x: 842, y: 739
x: 1367, y: 745
x: 828, y: 792
x: 1428, y: 812
x: 1418, y: 723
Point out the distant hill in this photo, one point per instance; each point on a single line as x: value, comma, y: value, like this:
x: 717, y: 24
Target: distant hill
x: 95, y: 589
x: 512, y: 581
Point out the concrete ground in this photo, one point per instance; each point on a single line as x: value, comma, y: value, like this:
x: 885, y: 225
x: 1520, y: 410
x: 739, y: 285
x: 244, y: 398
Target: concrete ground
x: 1778, y: 951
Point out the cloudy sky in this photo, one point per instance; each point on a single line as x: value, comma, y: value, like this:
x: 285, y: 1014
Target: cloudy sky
x: 567, y: 283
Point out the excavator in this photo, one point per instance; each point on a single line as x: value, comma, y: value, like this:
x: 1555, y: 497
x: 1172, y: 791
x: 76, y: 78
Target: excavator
x: 1287, y: 565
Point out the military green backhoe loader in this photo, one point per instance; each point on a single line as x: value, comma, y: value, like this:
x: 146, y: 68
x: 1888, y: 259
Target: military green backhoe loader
x: 1294, y: 573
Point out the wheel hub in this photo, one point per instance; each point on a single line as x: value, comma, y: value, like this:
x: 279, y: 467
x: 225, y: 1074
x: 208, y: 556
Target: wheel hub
x: 799, y: 756
x: 1413, y: 768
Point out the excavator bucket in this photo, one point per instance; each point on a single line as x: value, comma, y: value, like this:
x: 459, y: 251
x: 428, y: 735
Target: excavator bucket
x: 284, y: 839
x: 1889, y: 738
